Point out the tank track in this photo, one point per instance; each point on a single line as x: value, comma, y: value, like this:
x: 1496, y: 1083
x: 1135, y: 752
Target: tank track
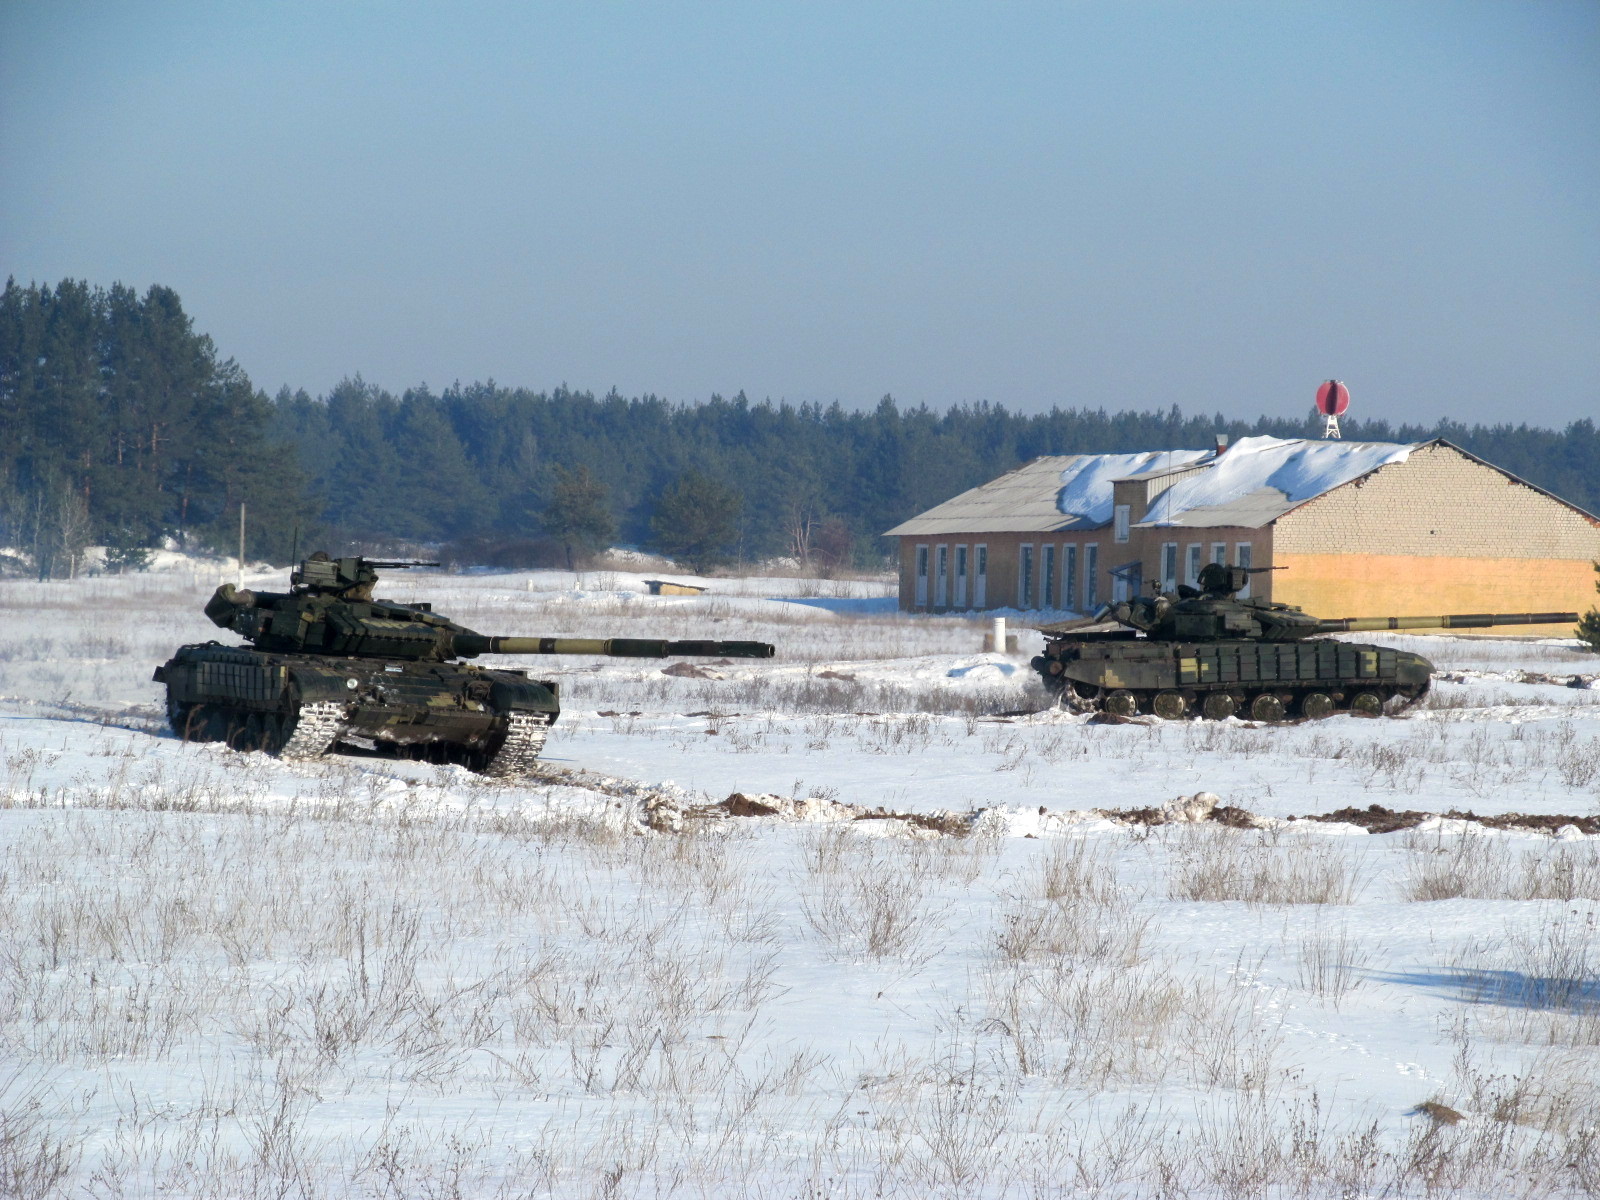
x: 1276, y: 704
x: 315, y: 732
x: 525, y: 735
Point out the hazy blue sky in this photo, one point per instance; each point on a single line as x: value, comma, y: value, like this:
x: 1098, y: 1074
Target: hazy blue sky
x: 1118, y: 204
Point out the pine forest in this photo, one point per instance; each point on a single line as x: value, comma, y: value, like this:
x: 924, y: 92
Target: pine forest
x: 123, y: 426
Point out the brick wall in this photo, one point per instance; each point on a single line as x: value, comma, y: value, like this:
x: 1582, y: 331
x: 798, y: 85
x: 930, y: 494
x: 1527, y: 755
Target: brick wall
x: 1438, y: 502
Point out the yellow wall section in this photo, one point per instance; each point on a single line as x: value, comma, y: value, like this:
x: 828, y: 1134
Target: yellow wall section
x: 1395, y: 585
x: 1439, y: 502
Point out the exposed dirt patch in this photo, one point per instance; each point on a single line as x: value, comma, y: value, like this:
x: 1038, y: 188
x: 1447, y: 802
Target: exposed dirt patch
x: 740, y: 805
x: 666, y: 813
x: 685, y: 670
x: 952, y: 824
x: 1374, y: 818
x: 1439, y: 1114
x: 1570, y: 681
x: 1377, y: 819
x: 1133, y: 816
x: 1235, y: 818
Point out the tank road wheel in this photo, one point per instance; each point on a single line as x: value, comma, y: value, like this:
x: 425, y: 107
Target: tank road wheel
x: 1121, y: 703
x: 1169, y: 706
x: 244, y: 730
x: 1316, y: 705
x: 1366, y: 703
x: 1218, y: 706
x: 193, y: 722
x: 272, y: 732
x: 1266, y: 707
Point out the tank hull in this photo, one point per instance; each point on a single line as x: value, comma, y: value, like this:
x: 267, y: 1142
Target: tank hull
x: 303, y: 706
x: 1125, y: 674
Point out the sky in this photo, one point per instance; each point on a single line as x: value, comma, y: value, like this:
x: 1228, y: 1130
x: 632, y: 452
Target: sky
x: 1118, y: 205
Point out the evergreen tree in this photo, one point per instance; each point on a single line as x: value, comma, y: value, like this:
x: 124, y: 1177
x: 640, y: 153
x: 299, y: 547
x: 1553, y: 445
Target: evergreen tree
x: 1589, y: 626
x: 577, y: 514
x: 696, y: 519
x: 121, y: 426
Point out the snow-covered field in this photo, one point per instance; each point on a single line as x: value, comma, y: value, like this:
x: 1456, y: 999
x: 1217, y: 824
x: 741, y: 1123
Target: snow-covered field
x: 222, y: 975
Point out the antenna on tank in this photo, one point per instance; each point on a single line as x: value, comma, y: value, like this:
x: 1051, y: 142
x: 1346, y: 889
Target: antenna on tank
x: 1333, y: 398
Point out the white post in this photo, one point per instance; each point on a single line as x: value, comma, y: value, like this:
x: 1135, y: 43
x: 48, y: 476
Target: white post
x: 999, y: 635
x: 240, y: 584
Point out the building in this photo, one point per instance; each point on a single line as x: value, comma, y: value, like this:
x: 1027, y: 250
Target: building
x: 1353, y: 528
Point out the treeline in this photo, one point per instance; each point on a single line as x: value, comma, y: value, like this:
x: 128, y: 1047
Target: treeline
x: 485, y: 460
x: 120, y: 426
x: 121, y: 422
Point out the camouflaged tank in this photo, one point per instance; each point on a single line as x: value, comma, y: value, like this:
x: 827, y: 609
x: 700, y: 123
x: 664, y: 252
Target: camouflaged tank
x: 326, y: 663
x: 1205, y: 651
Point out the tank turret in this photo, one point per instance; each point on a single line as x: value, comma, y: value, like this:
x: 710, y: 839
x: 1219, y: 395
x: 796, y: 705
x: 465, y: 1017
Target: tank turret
x: 327, y: 663
x: 329, y: 609
x: 1206, y: 650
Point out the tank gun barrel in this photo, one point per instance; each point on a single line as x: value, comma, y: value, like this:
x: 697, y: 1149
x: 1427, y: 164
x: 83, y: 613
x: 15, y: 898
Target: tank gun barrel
x: 1452, y: 621
x: 469, y: 645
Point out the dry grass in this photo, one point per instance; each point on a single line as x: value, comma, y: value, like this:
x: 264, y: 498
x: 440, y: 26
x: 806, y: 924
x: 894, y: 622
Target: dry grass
x: 280, y: 962
x: 1497, y: 868
x: 1212, y: 864
x: 1333, y: 964
x: 873, y: 898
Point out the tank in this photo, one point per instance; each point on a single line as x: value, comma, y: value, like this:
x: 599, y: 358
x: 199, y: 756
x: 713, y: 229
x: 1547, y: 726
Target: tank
x: 326, y: 664
x: 1204, y: 651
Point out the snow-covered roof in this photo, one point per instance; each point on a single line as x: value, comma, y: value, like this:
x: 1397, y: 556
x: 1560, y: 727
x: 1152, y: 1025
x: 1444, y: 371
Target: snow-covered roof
x: 1258, y: 479
x: 1253, y: 483
x: 1086, y: 485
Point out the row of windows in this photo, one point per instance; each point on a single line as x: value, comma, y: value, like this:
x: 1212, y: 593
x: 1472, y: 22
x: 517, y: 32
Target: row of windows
x: 1053, y: 576
x: 1052, y: 580
x: 1058, y: 582
x: 944, y: 596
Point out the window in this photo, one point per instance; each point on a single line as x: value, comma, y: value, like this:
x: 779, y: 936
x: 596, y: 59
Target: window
x: 1241, y: 558
x: 922, y: 577
x: 1219, y: 552
x: 961, y: 576
x: 980, y: 577
x: 1047, y: 576
x: 1069, y: 575
x: 1120, y: 516
x: 941, y: 579
x: 1192, y: 570
x: 1169, y: 566
x: 1025, y: 577
x: 1091, y: 577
